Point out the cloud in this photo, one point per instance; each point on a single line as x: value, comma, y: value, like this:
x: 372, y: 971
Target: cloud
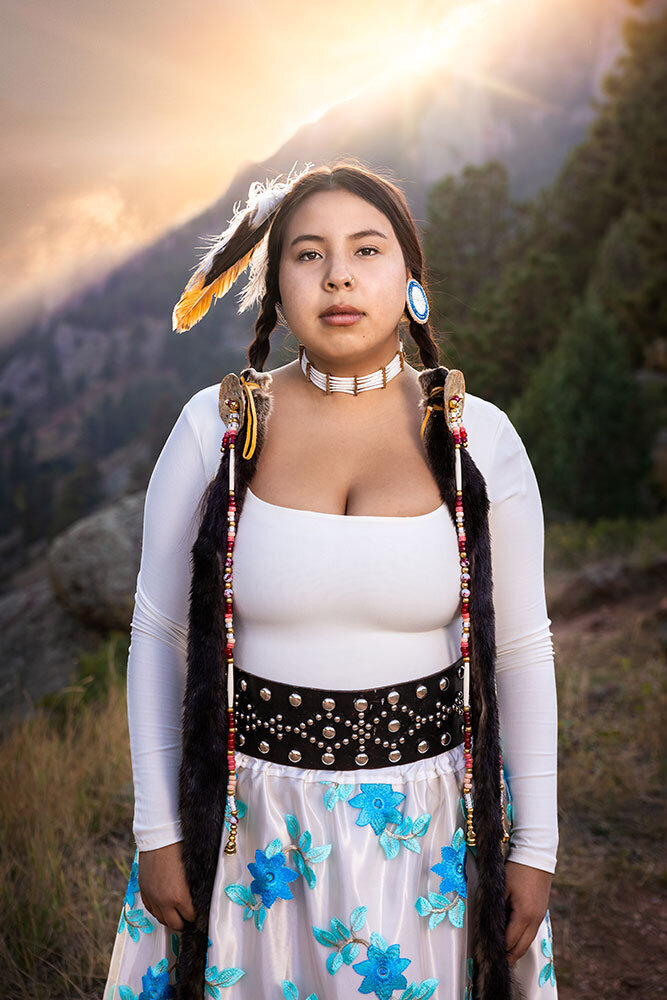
x: 75, y: 238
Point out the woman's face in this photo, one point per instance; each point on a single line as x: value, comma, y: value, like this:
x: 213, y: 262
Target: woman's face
x: 327, y: 260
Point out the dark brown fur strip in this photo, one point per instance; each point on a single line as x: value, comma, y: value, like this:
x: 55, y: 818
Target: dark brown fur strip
x: 204, y: 771
x: 492, y: 979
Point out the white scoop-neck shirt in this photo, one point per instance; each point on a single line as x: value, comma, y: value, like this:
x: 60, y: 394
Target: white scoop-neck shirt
x: 331, y: 600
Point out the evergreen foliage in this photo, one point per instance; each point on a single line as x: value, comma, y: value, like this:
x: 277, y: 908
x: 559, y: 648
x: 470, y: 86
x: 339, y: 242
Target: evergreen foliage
x: 555, y: 308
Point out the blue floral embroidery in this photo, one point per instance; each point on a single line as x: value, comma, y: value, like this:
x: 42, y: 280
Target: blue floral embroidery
x: 155, y: 984
x: 381, y: 970
x: 270, y: 877
x: 133, y: 883
x: 452, y: 868
x: 406, y: 835
x: 336, y: 792
x: 136, y: 922
x: 378, y: 806
x: 452, y: 873
x: 271, y: 874
x: 548, y: 973
x: 470, y: 965
x: 290, y: 992
x: 214, y: 978
x: 132, y: 919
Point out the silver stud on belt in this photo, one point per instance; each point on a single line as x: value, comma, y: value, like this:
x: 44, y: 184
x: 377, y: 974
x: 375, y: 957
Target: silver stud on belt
x: 361, y: 729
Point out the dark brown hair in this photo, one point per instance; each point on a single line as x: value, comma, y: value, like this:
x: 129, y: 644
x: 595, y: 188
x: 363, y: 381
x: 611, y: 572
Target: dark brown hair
x: 346, y: 175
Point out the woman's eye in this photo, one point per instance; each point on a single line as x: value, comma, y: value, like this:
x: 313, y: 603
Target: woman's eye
x: 304, y: 254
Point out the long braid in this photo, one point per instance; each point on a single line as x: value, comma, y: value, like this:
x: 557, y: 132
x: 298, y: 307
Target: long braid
x: 258, y: 351
x: 428, y: 349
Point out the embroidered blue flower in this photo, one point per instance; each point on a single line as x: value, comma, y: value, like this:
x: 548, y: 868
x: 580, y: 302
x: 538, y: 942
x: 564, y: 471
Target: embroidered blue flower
x: 133, y: 884
x: 452, y: 868
x: 271, y: 877
x: 547, y: 973
x: 155, y: 983
x: 378, y: 806
x: 382, y: 969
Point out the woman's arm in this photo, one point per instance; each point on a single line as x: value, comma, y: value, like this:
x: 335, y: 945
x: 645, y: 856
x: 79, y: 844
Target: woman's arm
x: 526, y: 686
x: 158, y: 648
x: 157, y: 667
x: 525, y: 672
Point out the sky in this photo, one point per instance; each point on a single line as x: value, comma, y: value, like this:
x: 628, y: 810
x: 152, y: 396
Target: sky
x: 122, y: 120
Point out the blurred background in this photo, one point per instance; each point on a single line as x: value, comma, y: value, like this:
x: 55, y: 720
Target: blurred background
x: 530, y: 139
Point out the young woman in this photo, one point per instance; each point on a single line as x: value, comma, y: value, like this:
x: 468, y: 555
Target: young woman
x: 340, y: 623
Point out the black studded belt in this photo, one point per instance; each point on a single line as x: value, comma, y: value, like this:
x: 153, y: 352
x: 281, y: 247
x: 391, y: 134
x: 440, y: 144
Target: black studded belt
x: 348, y: 729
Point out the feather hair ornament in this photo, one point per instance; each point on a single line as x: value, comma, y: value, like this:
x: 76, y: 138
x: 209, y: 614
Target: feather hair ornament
x: 230, y: 253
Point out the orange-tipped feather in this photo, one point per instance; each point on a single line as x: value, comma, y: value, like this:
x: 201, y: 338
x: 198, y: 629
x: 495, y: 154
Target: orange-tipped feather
x: 231, y: 252
x: 197, y: 299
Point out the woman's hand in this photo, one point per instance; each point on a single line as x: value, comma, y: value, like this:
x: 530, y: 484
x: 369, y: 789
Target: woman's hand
x: 164, y: 886
x: 527, y: 897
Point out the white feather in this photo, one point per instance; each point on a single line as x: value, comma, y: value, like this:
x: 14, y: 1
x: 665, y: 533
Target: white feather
x: 255, y: 288
x: 262, y: 201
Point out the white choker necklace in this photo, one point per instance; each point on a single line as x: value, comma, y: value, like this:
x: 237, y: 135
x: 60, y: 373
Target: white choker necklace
x: 353, y: 384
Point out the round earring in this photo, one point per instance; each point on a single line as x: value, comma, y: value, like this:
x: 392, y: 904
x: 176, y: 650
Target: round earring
x: 417, y: 303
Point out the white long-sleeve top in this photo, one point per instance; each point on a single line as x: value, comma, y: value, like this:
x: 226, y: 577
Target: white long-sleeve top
x: 346, y: 602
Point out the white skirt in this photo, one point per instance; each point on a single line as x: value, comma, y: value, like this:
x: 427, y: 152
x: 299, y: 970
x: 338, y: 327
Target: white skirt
x: 343, y: 882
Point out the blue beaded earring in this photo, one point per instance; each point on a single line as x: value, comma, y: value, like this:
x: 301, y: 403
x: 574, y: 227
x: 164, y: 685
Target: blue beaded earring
x: 417, y: 303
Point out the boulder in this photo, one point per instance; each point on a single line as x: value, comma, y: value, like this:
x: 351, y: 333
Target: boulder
x: 40, y: 644
x: 93, y: 564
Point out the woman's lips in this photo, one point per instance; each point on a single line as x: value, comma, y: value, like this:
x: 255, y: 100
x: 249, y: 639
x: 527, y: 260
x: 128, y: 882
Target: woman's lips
x: 341, y: 319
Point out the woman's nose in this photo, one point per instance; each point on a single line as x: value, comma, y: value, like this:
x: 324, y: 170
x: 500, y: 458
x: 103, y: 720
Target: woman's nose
x: 339, y: 277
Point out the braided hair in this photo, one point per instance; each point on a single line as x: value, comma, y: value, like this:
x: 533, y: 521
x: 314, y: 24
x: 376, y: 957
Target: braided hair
x: 380, y: 191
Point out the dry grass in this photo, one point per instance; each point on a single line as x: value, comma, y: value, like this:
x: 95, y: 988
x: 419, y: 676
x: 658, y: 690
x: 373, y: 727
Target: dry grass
x: 65, y: 816
x: 66, y: 809
x: 612, y: 866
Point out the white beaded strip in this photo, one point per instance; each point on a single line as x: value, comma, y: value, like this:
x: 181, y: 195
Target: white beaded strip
x: 346, y: 383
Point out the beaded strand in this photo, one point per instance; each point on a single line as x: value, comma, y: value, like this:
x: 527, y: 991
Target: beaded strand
x: 461, y: 439
x: 506, y: 833
x: 454, y: 418
x: 229, y: 441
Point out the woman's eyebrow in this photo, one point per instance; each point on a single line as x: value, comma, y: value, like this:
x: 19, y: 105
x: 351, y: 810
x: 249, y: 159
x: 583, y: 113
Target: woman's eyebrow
x: 311, y: 237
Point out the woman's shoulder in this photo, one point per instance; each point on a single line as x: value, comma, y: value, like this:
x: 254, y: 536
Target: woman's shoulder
x: 484, y: 421
x: 495, y: 446
x: 201, y: 410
